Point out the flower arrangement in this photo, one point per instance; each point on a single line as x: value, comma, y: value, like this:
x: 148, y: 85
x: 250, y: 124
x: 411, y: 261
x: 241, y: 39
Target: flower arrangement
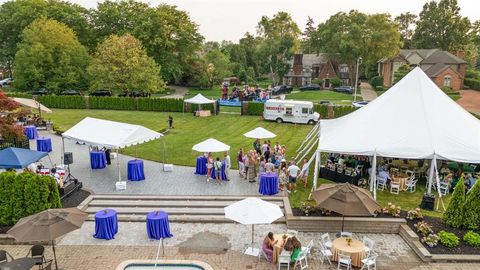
x: 392, y: 210
x: 325, y: 212
x: 308, y: 207
x: 285, y: 236
x: 349, y: 240
x: 423, y: 228
x: 414, y: 214
x: 431, y: 240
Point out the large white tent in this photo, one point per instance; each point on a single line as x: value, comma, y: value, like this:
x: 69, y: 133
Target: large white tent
x: 109, y: 134
x: 414, y: 119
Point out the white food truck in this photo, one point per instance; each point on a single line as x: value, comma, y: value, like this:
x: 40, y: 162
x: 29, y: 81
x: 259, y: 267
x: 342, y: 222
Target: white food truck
x: 292, y: 111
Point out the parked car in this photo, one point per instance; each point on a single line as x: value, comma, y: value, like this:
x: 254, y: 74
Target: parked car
x: 344, y: 89
x: 101, y: 93
x: 134, y: 94
x: 310, y: 87
x: 70, y: 93
x: 324, y: 102
x: 281, y: 89
x: 359, y: 104
x: 40, y: 92
x: 6, y: 82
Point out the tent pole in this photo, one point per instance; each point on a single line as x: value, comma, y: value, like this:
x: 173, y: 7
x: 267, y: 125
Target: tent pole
x: 430, y: 174
x: 373, y: 186
x: 315, y: 174
x: 118, y: 164
x: 253, y: 232
x: 63, y: 151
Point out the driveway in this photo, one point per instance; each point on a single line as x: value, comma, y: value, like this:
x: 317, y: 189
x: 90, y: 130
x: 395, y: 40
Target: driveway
x: 367, y: 92
x: 180, y: 92
x: 470, y: 101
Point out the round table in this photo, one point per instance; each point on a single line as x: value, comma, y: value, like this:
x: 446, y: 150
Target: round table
x: 44, y: 144
x: 278, y: 247
x: 135, y: 170
x: 268, y: 183
x: 106, y: 224
x: 98, y: 160
x: 356, y: 250
x: 157, y: 225
x: 402, y: 180
x: 31, y: 132
x: 201, y: 167
x: 19, y: 264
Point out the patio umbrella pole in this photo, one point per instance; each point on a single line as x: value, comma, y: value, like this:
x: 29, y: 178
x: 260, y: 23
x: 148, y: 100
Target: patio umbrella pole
x: 54, y: 254
x: 343, y: 220
x: 253, y: 231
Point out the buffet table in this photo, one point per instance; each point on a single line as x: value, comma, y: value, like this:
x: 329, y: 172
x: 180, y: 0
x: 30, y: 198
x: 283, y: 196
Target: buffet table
x: 339, y: 177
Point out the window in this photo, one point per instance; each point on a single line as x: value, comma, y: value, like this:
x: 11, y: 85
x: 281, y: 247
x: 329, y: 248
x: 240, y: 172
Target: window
x: 304, y: 110
x: 447, y: 80
x: 288, y: 111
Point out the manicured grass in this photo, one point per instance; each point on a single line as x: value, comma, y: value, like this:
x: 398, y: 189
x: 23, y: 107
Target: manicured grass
x: 188, y: 131
x: 406, y: 200
x: 213, y: 93
x: 318, y: 95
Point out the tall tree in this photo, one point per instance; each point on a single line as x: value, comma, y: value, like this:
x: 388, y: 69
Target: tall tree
x: 309, y: 36
x: 406, y: 26
x: 440, y: 25
x: 50, y: 56
x: 279, y: 42
x: 401, y: 72
x: 348, y: 36
x: 121, y: 64
x: 454, y: 214
x: 218, y: 65
x: 471, y: 208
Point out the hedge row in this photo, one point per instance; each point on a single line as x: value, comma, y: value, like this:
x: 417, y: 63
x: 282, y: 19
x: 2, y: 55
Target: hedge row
x: 62, y: 102
x: 160, y: 104
x: 112, y: 103
x: 18, y: 94
x: 256, y: 108
x: 472, y: 83
x: 25, y: 194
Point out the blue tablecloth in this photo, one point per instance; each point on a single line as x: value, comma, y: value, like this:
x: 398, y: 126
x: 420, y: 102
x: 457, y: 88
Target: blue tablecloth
x: 157, y: 225
x: 201, y: 167
x: 223, y: 175
x: 268, y: 184
x: 31, y: 132
x: 135, y: 170
x: 106, y: 224
x: 98, y: 160
x: 44, y: 144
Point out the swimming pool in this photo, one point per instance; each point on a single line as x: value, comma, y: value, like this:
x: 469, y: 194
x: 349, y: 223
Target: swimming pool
x: 163, y: 265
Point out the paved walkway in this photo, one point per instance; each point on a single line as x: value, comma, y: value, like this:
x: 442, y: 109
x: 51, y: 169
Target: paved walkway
x: 367, y: 92
x: 182, y: 181
x: 180, y: 91
x: 470, y: 100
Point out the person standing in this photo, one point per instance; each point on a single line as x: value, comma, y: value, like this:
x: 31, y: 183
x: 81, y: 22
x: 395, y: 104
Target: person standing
x: 218, y: 171
x: 228, y: 165
x: 282, y: 175
x: 209, y: 166
x: 261, y: 167
x: 241, y: 165
x: 292, y: 176
x: 170, y: 121
x: 256, y: 146
x: 304, y: 172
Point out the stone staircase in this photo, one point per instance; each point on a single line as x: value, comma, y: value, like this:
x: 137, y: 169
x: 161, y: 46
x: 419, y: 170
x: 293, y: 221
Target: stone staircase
x: 134, y: 208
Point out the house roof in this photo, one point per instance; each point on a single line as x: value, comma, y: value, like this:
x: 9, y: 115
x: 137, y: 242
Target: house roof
x: 424, y: 53
x: 309, y: 60
x: 443, y: 57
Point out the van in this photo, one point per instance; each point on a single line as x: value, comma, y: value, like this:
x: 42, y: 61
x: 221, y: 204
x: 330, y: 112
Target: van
x: 291, y: 111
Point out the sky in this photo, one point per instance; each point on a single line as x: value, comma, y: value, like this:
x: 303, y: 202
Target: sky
x: 230, y: 19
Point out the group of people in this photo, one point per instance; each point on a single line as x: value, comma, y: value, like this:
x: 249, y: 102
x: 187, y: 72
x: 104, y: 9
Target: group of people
x: 452, y: 177
x: 291, y: 245
x: 248, y: 93
x: 267, y: 158
x: 215, y: 163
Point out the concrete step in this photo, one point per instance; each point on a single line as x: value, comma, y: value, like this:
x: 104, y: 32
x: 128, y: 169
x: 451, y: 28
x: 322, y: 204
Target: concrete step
x: 181, y: 219
x: 165, y: 203
x: 182, y: 198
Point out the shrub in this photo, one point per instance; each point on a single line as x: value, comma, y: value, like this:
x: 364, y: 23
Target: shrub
x: 454, y: 214
x: 472, y: 238
x: 472, y: 83
x: 307, y: 207
x: 19, y: 94
x: 112, y: 103
x: 447, y: 89
x: 431, y: 240
x: 255, y: 108
x: 471, y: 208
x: 376, y: 81
x: 336, y: 82
x: 448, y: 239
x: 392, y: 210
x: 423, y: 228
x: 318, y: 81
x: 160, y: 104
x: 414, y: 214
x: 62, y: 102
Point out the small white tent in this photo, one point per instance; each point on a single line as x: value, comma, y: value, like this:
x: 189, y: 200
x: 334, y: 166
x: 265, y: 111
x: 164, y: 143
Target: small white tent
x: 414, y: 119
x: 259, y: 133
x: 199, y: 99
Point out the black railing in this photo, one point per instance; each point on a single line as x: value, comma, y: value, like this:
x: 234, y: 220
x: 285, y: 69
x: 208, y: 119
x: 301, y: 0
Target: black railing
x: 14, y: 143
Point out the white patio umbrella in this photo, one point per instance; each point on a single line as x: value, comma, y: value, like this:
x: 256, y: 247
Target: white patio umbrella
x: 259, y: 133
x: 31, y: 103
x: 251, y: 211
x: 211, y: 145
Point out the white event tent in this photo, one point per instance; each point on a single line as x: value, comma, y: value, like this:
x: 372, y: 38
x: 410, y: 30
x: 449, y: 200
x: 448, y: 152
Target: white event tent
x: 259, y: 133
x: 109, y: 134
x: 199, y: 99
x: 414, y: 119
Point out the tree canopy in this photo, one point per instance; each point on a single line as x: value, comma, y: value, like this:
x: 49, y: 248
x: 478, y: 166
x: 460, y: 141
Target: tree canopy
x: 50, y: 56
x: 121, y: 64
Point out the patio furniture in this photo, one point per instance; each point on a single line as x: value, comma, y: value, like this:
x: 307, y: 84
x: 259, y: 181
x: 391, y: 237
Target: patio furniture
x: 344, y: 261
x: 31, y: 132
x: 284, y: 260
x: 98, y: 160
x: 48, y: 266
x: 278, y: 247
x: 369, y: 244
x: 325, y: 253
x: 381, y: 183
x: 409, y: 173
x: 412, y: 185
x: 325, y: 239
x: 292, y: 232
x: 135, y: 171
x: 444, y: 187
x: 19, y: 264
x: 306, y: 250
x: 370, y: 261
x: 157, y: 225
x: 268, y: 183
x: 301, y: 260
x: 36, y: 252
x: 4, y: 256
x: 201, y: 168
x: 44, y: 144
x: 395, y: 187
x: 106, y: 224
x: 354, y: 250
x: 346, y: 234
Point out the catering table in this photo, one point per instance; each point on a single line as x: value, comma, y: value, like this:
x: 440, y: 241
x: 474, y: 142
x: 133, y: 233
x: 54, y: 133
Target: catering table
x: 157, y: 225
x: 223, y: 175
x: 135, y: 170
x: 31, y: 132
x: 268, y: 183
x: 402, y: 179
x: 18, y: 264
x: 98, y: 160
x: 399, y: 163
x: 106, y: 224
x: 44, y: 144
x: 339, y: 177
x: 201, y: 167
x: 356, y: 250
x: 203, y: 113
x: 278, y: 248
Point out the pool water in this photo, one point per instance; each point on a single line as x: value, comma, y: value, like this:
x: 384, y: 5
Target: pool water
x: 164, y: 267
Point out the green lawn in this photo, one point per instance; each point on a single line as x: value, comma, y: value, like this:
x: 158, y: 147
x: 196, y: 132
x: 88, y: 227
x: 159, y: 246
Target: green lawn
x: 188, y: 131
x: 316, y: 96
x: 405, y: 200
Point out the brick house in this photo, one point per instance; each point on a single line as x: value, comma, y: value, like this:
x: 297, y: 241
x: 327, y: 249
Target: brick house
x: 307, y: 67
x: 444, y: 68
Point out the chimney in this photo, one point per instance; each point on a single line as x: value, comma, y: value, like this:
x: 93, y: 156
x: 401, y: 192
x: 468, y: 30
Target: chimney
x: 460, y: 54
x: 298, y: 64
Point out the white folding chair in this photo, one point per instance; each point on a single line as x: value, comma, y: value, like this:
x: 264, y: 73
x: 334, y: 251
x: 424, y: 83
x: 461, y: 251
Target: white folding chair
x: 344, y: 261
x: 395, y: 187
x: 325, y: 253
x: 284, y: 261
x: 346, y: 234
x: 410, y: 173
x: 301, y: 260
x: 369, y: 244
x: 412, y: 185
x: 370, y: 261
x: 308, y: 248
x: 381, y: 183
x: 292, y: 232
x: 326, y: 240
x: 444, y: 188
